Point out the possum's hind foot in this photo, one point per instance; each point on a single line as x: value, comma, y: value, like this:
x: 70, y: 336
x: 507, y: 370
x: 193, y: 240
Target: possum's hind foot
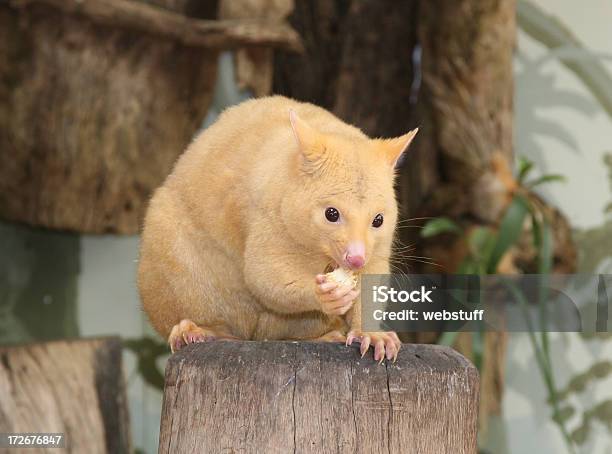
x: 187, y: 332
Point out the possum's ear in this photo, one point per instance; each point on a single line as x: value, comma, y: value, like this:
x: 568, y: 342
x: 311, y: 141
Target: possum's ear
x: 393, y: 149
x: 310, y: 141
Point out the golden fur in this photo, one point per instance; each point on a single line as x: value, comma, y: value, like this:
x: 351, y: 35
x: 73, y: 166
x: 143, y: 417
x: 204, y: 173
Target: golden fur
x: 234, y: 238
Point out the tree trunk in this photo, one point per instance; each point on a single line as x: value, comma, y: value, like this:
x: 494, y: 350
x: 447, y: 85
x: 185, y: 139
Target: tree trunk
x: 447, y: 67
x: 317, y: 397
x: 75, y: 388
x: 465, y: 106
x: 357, y: 62
x: 99, y: 98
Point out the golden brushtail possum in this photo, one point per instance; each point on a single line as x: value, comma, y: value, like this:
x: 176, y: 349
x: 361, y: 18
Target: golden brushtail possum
x: 237, y: 239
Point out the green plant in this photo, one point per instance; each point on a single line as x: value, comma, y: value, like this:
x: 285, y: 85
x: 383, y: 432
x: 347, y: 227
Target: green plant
x: 148, y: 351
x: 487, y: 246
x: 588, y: 67
x: 438, y: 226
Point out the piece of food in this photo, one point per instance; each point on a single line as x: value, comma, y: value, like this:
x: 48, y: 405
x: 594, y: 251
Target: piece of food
x: 343, y: 277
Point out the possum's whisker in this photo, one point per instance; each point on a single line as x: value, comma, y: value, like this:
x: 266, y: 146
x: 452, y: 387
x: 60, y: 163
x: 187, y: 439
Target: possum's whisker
x: 395, y: 269
x: 403, y: 258
x: 403, y: 248
x: 423, y: 218
x: 426, y: 262
x: 398, y: 242
x: 422, y: 257
x: 418, y: 257
x: 399, y: 227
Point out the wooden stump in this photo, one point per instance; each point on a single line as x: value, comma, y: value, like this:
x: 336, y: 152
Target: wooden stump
x: 317, y: 397
x: 70, y: 387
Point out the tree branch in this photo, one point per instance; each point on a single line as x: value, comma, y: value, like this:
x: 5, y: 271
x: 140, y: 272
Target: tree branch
x: 134, y: 15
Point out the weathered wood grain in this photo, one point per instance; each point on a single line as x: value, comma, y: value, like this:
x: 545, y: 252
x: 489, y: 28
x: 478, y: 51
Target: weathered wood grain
x: 357, y: 62
x: 316, y: 397
x: 99, y: 98
x: 71, y: 387
x: 92, y: 118
x: 138, y: 16
x: 254, y: 65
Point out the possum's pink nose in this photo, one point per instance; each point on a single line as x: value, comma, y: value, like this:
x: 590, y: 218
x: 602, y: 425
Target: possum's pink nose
x: 355, y: 261
x: 355, y: 255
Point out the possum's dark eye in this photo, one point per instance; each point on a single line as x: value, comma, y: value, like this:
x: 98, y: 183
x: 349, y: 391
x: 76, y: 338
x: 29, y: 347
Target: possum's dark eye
x: 332, y: 215
x: 378, y: 220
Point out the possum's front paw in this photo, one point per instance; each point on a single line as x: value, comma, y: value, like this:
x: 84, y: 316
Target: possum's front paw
x: 384, y: 343
x: 335, y: 299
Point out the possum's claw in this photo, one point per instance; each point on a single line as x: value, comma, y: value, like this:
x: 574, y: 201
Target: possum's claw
x: 379, y: 351
x: 365, y: 344
x: 192, y: 338
x: 175, y: 344
x: 386, y: 344
x: 186, y: 332
x: 350, y: 337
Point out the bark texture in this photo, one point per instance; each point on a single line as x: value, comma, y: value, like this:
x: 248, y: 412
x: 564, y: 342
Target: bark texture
x: 465, y: 106
x: 445, y: 67
x: 71, y: 387
x: 254, y: 65
x: 357, y: 61
x: 99, y: 98
x: 138, y: 16
x: 317, y: 397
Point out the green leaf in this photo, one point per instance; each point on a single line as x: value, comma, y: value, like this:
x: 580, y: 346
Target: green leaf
x: 546, y: 179
x: 481, y: 242
x: 147, y: 351
x: 509, y: 231
x: 478, y: 349
x: 545, y: 258
x: 469, y: 266
x: 524, y: 167
x: 564, y: 414
x: 545, y: 248
x: 481, y: 239
x: 438, y: 226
